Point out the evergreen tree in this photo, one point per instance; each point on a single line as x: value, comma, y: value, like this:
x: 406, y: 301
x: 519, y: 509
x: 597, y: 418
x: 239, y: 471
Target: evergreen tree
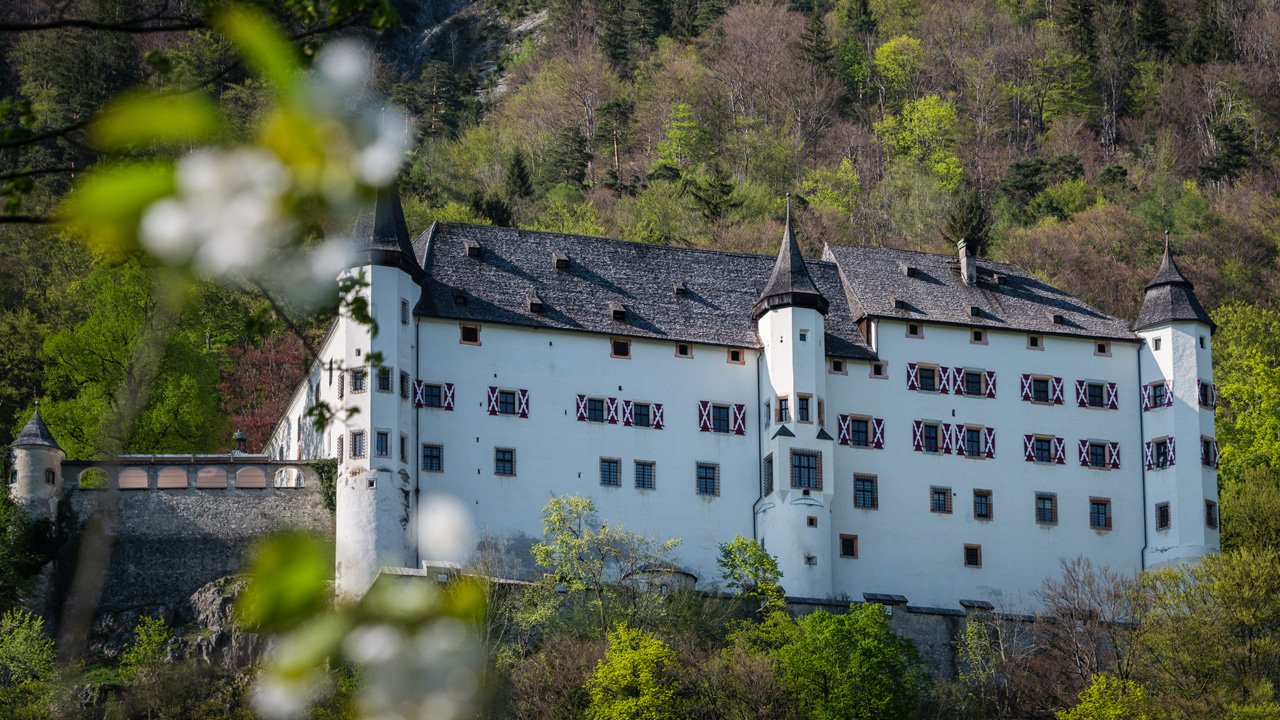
x: 517, y: 182
x: 567, y: 159
x: 969, y: 221
x: 1077, y: 25
x: 1153, y: 26
x: 1210, y: 39
x: 1232, y: 154
x: 490, y: 207
x: 814, y: 45
x: 713, y: 193
x: 615, y: 122
x: 435, y: 98
x: 857, y: 18
x: 615, y: 41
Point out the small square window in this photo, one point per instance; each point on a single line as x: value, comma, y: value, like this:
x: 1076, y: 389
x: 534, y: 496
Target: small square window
x: 382, y: 443
x: 973, y: 383
x: 734, y: 356
x: 940, y: 500
x: 610, y: 472
x: 1097, y: 455
x: 621, y: 348
x: 504, y: 461
x: 1035, y: 342
x: 595, y: 409
x: 433, y: 458
x: 506, y: 402
x: 927, y: 379
x: 973, y: 556
x: 1046, y: 509
x: 358, y: 379
x: 982, y: 506
x: 915, y: 330
x: 1102, y: 348
x: 811, y: 521
x: 720, y: 418
x: 641, y: 415
x: 1211, y: 514
x: 865, y: 492
x: 837, y: 367
x: 469, y: 334
x: 434, y: 395
x: 1155, y: 343
x: 848, y: 546
x: 1100, y: 513
x: 645, y: 475
x: 1164, y: 518
x: 978, y: 337
x: 684, y: 350
x: 384, y: 380
x: 878, y: 370
x: 708, y: 479
x: 804, y: 336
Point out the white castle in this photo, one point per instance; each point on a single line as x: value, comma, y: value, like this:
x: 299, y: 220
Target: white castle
x: 886, y: 423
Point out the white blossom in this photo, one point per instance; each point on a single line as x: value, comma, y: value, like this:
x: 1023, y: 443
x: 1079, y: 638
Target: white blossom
x: 445, y: 529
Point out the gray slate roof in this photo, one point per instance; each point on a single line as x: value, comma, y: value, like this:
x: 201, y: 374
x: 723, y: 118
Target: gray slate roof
x: 35, y: 432
x: 789, y: 283
x: 514, y: 266
x: 1170, y: 296
x: 878, y: 284
x: 381, y: 236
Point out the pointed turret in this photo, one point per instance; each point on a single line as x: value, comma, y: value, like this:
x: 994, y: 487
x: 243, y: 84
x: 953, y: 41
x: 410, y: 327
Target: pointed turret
x: 1170, y: 297
x: 381, y: 236
x: 790, y: 284
x: 36, y: 480
x: 35, y: 434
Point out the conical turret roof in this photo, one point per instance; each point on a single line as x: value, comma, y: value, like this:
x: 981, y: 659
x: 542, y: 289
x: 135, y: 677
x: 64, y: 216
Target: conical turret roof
x: 381, y: 236
x: 35, y: 432
x: 790, y: 284
x: 1170, y: 297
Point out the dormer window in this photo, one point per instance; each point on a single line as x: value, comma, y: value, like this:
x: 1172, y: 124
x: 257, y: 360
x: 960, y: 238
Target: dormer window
x: 975, y: 311
x: 1058, y: 319
x: 899, y: 304
x: 560, y: 260
x: 472, y: 248
x: 459, y: 299
x: 618, y: 312
x: 536, y: 305
x: 679, y: 288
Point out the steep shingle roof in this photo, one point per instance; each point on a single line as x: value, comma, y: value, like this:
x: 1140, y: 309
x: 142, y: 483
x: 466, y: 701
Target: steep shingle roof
x: 495, y: 279
x: 35, y: 432
x: 789, y: 285
x: 883, y: 282
x: 1170, y: 296
x: 381, y: 236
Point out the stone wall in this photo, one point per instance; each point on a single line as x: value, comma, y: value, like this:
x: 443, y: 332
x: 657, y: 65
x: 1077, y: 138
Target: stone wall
x: 169, y: 543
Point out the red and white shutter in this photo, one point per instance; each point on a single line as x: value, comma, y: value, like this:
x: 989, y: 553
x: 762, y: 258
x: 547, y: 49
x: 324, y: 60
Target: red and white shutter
x: 628, y: 413
x: 522, y: 403
x: 957, y: 381
x: 1026, y: 386
x: 989, y: 442
x: 991, y: 384
x: 419, y: 393
x: 1082, y: 394
x: 844, y: 430
x: 1060, y: 450
x: 448, y: 396
x: 1084, y: 453
x: 582, y: 408
x: 1055, y: 390
x: 1171, y: 452
x: 957, y: 439
x: 739, y: 425
x: 944, y: 379
x: 1213, y: 395
x: 917, y: 436
x: 1168, y: 393
x: 1215, y: 453
x: 1113, y: 455
x: 947, y: 438
x: 704, y: 416
x: 1113, y: 397
x: 657, y: 416
x: 493, y: 400
x: 913, y: 379
x: 1148, y: 456
x: 1146, y: 398
x: 1029, y: 448
x: 611, y: 411
x: 877, y: 433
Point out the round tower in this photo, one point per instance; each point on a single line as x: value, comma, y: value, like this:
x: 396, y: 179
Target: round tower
x: 1179, y: 452
x: 795, y: 519
x: 36, y: 478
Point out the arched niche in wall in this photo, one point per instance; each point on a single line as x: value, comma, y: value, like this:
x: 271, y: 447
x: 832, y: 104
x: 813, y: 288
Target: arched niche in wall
x: 134, y: 478
x: 93, y: 479
x: 211, y: 477
x: 251, y: 477
x: 171, y: 478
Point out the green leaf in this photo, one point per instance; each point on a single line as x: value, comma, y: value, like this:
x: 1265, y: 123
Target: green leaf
x: 261, y: 43
x: 145, y: 119
x: 289, y: 581
x: 108, y: 201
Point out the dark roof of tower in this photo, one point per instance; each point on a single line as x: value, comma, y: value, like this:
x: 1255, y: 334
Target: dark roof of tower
x: 381, y: 236
x: 35, y: 432
x: 790, y: 284
x: 1170, y: 297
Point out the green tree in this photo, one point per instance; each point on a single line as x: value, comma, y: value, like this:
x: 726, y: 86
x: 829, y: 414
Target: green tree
x: 1076, y: 20
x: 748, y: 569
x: 851, y: 666
x: 434, y: 98
x: 684, y: 139
x: 27, y: 668
x: 969, y: 220
x: 855, y: 17
x: 897, y: 64
x: 1247, y: 374
x: 712, y: 193
x: 1251, y: 509
x: 567, y: 158
x: 1153, y: 26
x: 25, y: 546
x: 1110, y: 698
x: 635, y: 680
x: 565, y: 211
x: 150, y: 646
x: 835, y: 188
x: 814, y: 45
x: 925, y: 132
x: 517, y: 182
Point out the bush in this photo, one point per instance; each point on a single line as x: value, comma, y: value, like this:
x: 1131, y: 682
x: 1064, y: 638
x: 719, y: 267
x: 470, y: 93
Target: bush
x: 634, y: 680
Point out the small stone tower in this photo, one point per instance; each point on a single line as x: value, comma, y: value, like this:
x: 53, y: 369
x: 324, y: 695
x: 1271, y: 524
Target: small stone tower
x: 795, y: 519
x: 36, y: 480
x: 1179, y: 451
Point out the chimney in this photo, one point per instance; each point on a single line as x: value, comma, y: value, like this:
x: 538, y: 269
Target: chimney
x: 968, y: 263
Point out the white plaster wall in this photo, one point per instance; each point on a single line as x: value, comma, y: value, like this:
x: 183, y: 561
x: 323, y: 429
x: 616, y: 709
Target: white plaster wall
x: 30, y: 489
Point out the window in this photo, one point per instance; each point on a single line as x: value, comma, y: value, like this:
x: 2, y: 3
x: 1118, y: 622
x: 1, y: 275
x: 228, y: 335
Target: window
x: 1046, y: 509
x: 837, y: 367
x: 878, y: 370
x: 1100, y: 513
x: 734, y: 356
x: 1206, y: 394
x: 708, y: 479
x: 1211, y: 514
x: 973, y: 442
x: 1160, y: 453
x: 469, y: 334
x: 973, y: 556
x: 982, y: 509
x: 930, y: 437
x: 357, y: 444
x: 50, y: 477
x: 865, y: 493
x: 1095, y: 394
x: 811, y: 521
x: 684, y: 350
x: 720, y: 418
x: 1208, y: 452
x: 640, y: 415
x: 382, y: 443
x: 404, y: 448
x: 1163, y: 516
x: 330, y: 372
x: 805, y: 470
x: 620, y: 348
x: 1202, y: 342
x: 404, y: 385
x: 973, y: 383
x: 384, y: 380
x: 506, y: 402
x: 339, y: 449
x: 1035, y: 342
x: 595, y: 409
x: 1043, y: 449
x: 804, y: 336
x: 766, y: 475
x: 433, y: 458
x: 784, y: 412
x: 1102, y: 348
x: 342, y: 383
x: 928, y: 379
x: 404, y: 311
x: 1159, y: 394
x: 1097, y: 455
x: 1040, y: 389
x: 859, y: 432
x: 978, y: 337
x: 1155, y: 344
x: 915, y: 330
x: 644, y: 475
x: 802, y: 408
x: 610, y: 472
x: 358, y: 380
x: 822, y: 413
x: 848, y: 546
x: 434, y: 395
x: 940, y: 500
x: 768, y: 415
x: 504, y: 461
